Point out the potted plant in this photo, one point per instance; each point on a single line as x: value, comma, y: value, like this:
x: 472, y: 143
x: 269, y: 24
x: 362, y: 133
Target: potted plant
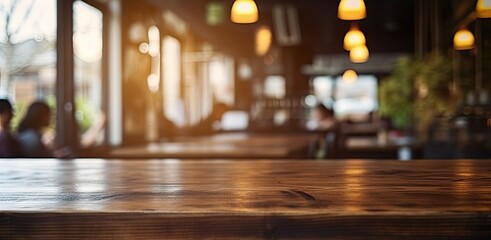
x: 417, y: 91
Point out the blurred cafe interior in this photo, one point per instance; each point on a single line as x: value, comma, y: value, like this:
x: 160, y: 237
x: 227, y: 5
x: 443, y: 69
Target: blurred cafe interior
x: 403, y: 79
x: 315, y: 85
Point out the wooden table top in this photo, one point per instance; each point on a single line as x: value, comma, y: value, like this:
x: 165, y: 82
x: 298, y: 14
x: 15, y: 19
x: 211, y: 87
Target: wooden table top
x: 145, y: 199
x: 227, y: 145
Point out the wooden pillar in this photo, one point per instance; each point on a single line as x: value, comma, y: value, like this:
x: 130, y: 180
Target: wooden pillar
x: 66, y: 128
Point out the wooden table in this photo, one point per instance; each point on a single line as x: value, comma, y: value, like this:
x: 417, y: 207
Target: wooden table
x: 402, y: 148
x: 306, y: 199
x: 228, y: 145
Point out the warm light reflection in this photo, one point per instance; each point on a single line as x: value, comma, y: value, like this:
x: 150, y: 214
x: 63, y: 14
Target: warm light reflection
x: 263, y: 40
x: 153, y: 41
x: 483, y: 9
x: 359, y: 54
x: 143, y: 47
x: 91, y: 179
x: 354, y: 37
x: 352, y: 10
x: 463, y: 40
x: 153, y: 82
x: 350, y: 76
x: 172, y: 174
x: 153, y: 33
x: 244, y: 11
x: 243, y: 188
x: 464, y: 172
x: 353, y: 185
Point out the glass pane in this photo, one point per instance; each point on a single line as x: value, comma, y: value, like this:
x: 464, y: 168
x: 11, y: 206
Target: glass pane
x: 221, y: 79
x: 27, y: 53
x: 171, y: 69
x: 87, y: 46
x: 354, y: 98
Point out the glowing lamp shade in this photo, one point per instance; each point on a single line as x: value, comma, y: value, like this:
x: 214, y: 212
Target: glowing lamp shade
x: 244, y: 11
x: 359, y: 54
x: 353, y: 38
x: 263, y: 40
x: 352, y: 10
x: 483, y: 9
x: 349, y: 76
x: 463, y: 40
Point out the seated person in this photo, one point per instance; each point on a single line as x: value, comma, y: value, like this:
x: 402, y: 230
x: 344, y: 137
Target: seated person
x: 9, y: 145
x: 322, y: 119
x: 31, y: 129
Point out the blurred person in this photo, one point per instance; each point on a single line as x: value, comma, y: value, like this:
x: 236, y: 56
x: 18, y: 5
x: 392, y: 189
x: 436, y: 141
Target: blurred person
x: 9, y: 145
x: 31, y: 129
x: 322, y: 118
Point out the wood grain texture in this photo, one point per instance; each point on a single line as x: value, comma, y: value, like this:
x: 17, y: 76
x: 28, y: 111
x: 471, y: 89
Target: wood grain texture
x: 266, y: 199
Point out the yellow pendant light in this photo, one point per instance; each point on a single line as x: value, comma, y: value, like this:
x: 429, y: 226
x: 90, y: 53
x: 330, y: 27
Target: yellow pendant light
x: 354, y: 37
x: 349, y: 76
x: 483, y: 9
x: 359, y: 54
x: 263, y: 40
x: 463, y: 40
x: 352, y: 10
x: 244, y: 11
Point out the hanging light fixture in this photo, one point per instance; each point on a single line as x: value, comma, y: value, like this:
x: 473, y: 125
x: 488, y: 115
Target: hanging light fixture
x: 483, y: 9
x: 359, y: 54
x: 263, y: 40
x: 244, y: 11
x: 349, y: 76
x: 352, y: 10
x: 354, y: 37
x: 463, y: 40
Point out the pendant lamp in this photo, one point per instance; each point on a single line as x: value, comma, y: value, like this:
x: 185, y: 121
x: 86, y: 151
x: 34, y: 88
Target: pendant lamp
x: 349, y: 76
x: 354, y: 37
x: 463, y: 40
x: 263, y: 40
x: 483, y: 9
x: 244, y: 11
x: 352, y: 10
x: 359, y: 54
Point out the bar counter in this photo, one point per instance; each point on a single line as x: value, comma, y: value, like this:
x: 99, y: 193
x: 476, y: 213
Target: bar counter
x: 252, y: 199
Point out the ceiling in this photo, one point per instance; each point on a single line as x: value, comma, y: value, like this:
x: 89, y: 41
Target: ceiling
x: 389, y: 26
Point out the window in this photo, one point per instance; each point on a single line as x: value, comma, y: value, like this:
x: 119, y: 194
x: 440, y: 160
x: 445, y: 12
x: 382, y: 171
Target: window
x: 275, y: 87
x: 87, y: 46
x: 347, y: 98
x: 221, y: 79
x: 358, y: 97
x: 171, y: 73
x: 28, y: 56
x: 323, y: 89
